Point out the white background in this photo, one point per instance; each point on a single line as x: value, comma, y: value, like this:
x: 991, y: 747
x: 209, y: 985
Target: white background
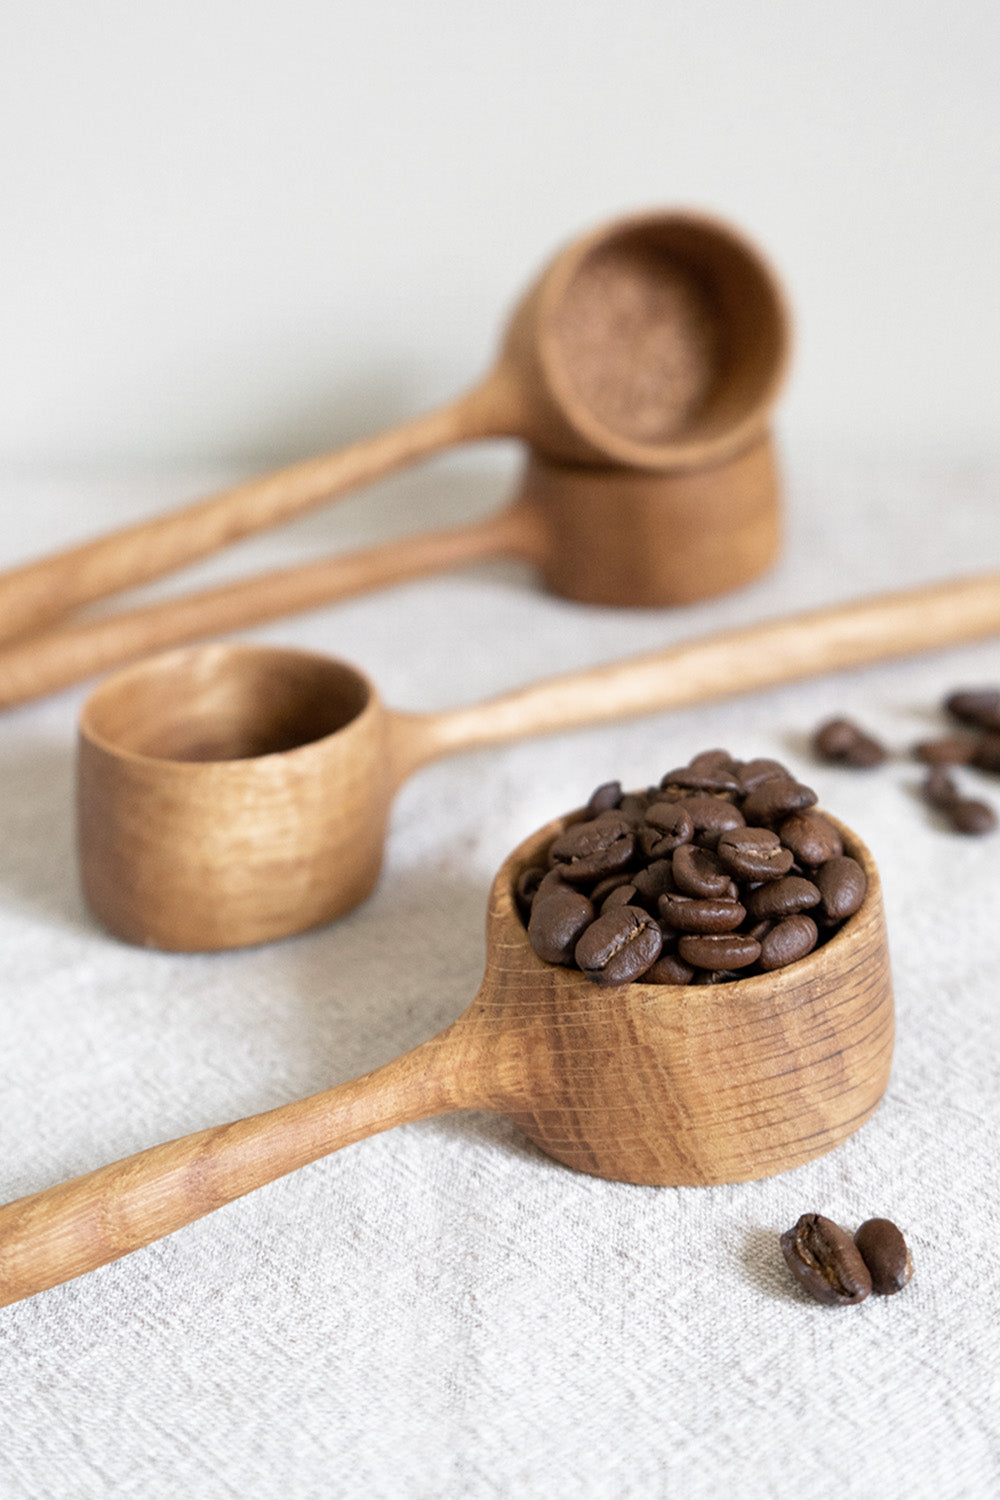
x: 247, y: 230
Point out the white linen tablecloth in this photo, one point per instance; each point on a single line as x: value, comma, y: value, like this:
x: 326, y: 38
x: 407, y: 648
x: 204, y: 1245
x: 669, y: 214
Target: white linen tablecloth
x: 442, y: 1311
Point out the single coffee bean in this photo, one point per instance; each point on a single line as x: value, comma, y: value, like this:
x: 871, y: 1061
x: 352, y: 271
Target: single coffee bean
x: 707, y: 779
x: 986, y: 753
x: 949, y: 750
x: 978, y: 706
x: 710, y: 760
x: 711, y: 817
x: 666, y: 826
x: 812, y: 838
x: 559, y: 916
x: 527, y: 885
x: 694, y: 914
x: 787, y: 942
x: 669, y: 968
x: 883, y: 1250
x: 719, y: 950
x: 775, y: 798
x: 610, y: 883
x: 605, y: 797
x: 969, y: 815
x: 939, y: 788
x: 619, y: 946
x: 842, y: 883
x: 825, y: 1261
x: 698, y: 872
x: 753, y: 772
x: 621, y: 895
x: 844, y: 743
x: 588, y: 851
x: 654, y: 881
x: 754, y: 853
x: 782, y: 898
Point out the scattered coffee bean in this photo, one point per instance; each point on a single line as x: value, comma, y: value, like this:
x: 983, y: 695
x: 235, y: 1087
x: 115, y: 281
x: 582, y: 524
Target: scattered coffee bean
x: 788, y: 941
x: 883, y: 1250
x: 964, y: 814
x: 950, y: 750
x: 619, y: 946
x: 676, y: 885
x: 844, y: 743
x: 986, y: 753
x: 825, y: 1261
x: 977, y: 706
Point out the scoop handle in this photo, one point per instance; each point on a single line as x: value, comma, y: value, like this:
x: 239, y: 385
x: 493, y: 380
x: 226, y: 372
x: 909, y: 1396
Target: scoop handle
x: 62, y: 1232
x: 734, y: 661
x: 70, y: 653
x: 38, y: 592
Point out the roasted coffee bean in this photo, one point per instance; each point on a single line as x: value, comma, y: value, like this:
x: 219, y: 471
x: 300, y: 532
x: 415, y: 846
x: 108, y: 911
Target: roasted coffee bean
x: 950, y: 750
x: 842, y: 883
x: 754, y: 853
x: 783, y: 898
x: 787, y: 942
x: 719, y: 950
x: 619, y: 946
x: 883, y: 1250
x: 711, y: 817
x: 654, y: 881
x: 692, y: 914
x: 775, y: 798
x: 621, y: 895
x: 666, y: 826
x: 610, y: 883
x: 669, y: 968
x: 710, y: 760
x: 633, y: 806
x: 559, y: 916
x: 812, y: 838
x: 844, y: 743
x: 825, y: 1261
x: 527, y: 885
x: 969, y: 815
x: 986, y: 753
x: 755, y: 771
x: 939, y: 788
x: 978, y: 706
x: 710, y: 779
x: 605, y: 797
x: 588, y: 851
x: 698, y: 872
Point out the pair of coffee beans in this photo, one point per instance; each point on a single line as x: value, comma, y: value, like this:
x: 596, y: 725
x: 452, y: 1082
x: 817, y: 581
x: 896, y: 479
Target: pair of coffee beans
x: 723, y: 870
x: 834, y: 1268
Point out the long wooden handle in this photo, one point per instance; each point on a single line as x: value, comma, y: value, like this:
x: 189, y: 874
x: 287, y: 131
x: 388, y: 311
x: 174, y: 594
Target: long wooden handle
x: 735, y: 661
x: 70, y: 653
x: 49, y: 589
x: 64, y: 1231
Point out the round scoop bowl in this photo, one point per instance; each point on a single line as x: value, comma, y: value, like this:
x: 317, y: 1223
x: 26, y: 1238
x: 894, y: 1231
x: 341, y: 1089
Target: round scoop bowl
x: 651, y: 1084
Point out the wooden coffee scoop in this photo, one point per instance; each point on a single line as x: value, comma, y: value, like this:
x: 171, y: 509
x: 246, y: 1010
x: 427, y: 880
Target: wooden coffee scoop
x: 657, y: 342
x: 601, y: 536
x: 232, y: 794
x: 649, y: 1084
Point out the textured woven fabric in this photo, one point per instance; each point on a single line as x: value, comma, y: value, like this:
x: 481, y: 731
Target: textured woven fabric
x: 443, y: 1312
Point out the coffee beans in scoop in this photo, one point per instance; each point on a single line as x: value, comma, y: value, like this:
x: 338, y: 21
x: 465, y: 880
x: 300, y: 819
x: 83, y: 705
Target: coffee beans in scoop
x: 724, y: 869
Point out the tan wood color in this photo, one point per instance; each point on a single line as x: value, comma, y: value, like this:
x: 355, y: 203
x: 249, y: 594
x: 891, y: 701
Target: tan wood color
x: 599, y: 535
x: 228, y: 795
x: 657, y: 342
x: 646, y: 1084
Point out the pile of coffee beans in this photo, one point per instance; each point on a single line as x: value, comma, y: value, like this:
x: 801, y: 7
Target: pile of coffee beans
x: 723, y: 870
x: 834, y: 1268
x: 977, y: 744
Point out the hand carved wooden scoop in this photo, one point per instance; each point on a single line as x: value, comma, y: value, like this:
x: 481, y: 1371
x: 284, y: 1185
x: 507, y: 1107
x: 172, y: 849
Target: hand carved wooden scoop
x: 649, y: 1084
x: 657, y: 342
x: 233, y: 794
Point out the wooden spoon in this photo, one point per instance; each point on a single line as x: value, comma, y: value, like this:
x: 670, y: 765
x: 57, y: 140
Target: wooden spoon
x: 601, y: 536
x: 231, y: 794
x: 658, y: 342
x: 648, y: 1084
